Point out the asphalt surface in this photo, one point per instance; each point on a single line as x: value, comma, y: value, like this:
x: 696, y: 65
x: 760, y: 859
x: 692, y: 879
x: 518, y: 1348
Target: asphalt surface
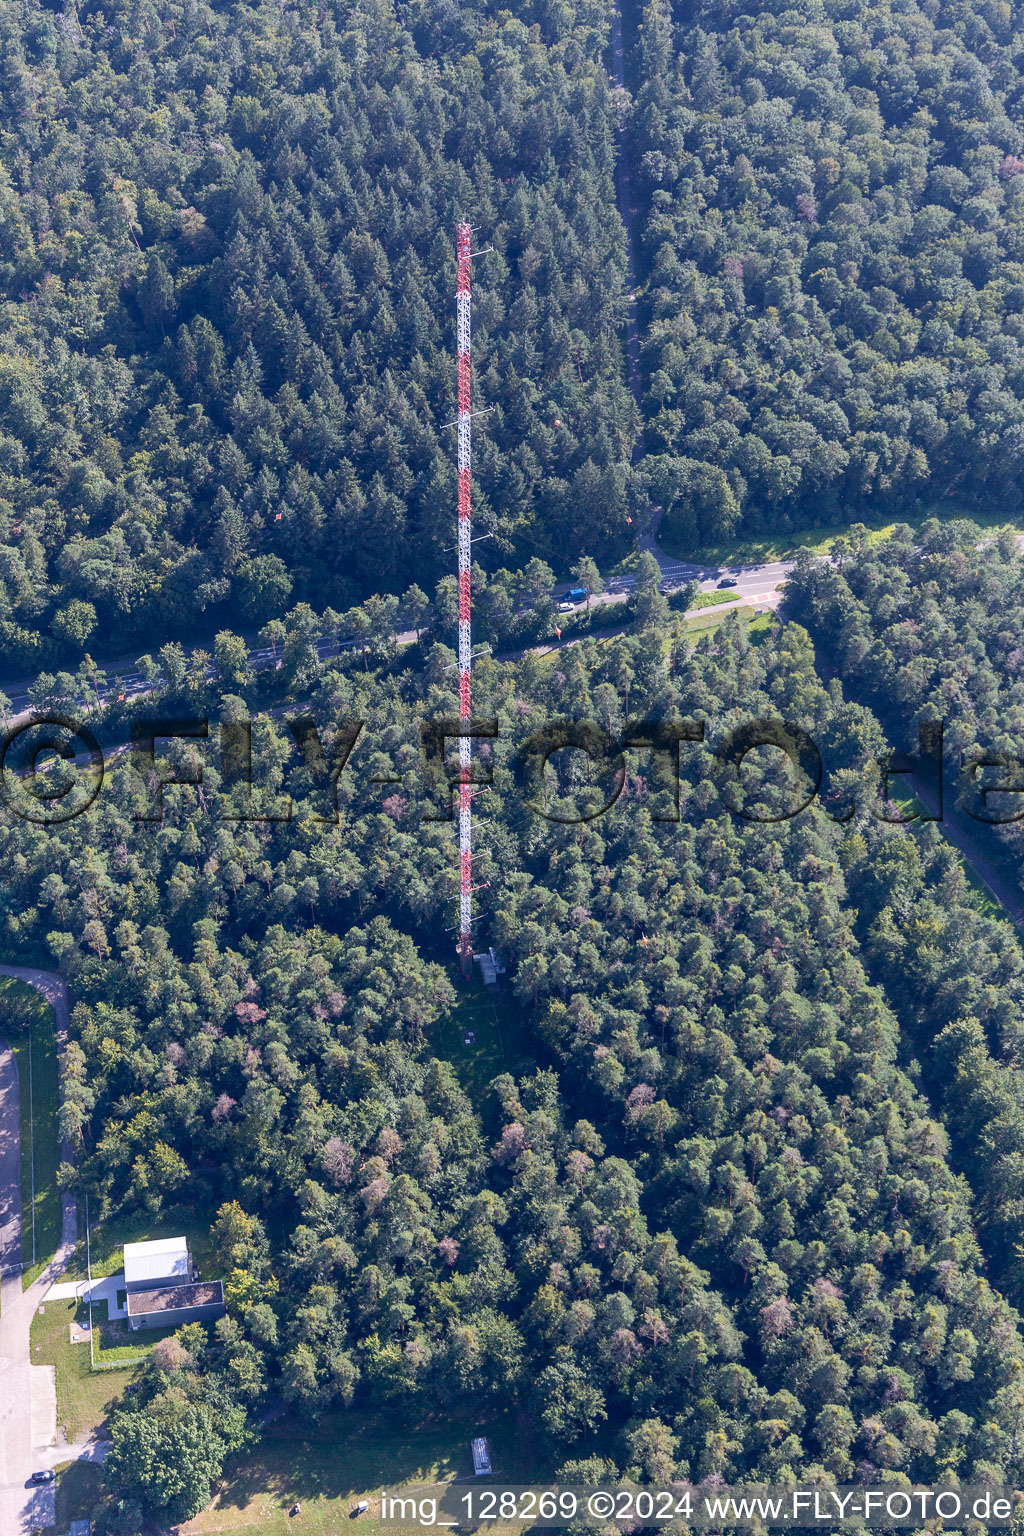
x: 28, y: 1404
x: 129, y: 683
x: 753, y: 583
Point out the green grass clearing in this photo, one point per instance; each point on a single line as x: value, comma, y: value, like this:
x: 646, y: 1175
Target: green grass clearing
x: 27, y: 1022
x: 347, y: 1457
x: 84, y: 1396
x: 695, y: 618
x: 694, y: 622
x: 495, y: 1018
x: 760, y: 627
x: 471, y: 1040
x: 697, y: 622
x: 762, y: 548
x: 78, y: 1491
x: 113, y: 1340
x: 710, y: 599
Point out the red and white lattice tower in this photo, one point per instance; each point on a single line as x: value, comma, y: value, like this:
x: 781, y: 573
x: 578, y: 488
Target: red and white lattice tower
x: 462, y: 301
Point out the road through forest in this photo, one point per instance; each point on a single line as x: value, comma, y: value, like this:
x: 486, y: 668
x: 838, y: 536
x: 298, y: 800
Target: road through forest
x: 756, y: 583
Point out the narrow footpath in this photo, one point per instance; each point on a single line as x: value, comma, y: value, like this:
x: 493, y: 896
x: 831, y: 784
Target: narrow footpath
x: 965, y: 835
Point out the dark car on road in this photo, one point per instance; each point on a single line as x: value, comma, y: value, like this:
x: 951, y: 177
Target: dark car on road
x: 45, y: 1476
x: 728, y: 581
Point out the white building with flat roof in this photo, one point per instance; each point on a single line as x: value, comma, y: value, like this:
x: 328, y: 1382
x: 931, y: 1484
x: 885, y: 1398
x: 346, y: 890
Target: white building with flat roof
x: 163, y: 1262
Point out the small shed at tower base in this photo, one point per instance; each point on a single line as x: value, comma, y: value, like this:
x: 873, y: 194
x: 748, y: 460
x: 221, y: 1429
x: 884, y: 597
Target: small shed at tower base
x: 481, y: 1457
x: 492, y: 966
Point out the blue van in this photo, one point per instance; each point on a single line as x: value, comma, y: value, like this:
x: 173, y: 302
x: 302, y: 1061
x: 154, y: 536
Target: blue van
x: 576, y: 594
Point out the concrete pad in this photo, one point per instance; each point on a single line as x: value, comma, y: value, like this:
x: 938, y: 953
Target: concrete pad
x: 64, y: 1290
x: 94, y: 1451
x: 25, y: 1510
x: 95, y: 1291
x: 43, y: 1393
x: 38, y: 1509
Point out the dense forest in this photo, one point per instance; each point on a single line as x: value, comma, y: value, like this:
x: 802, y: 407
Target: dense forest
x: 745, y: 1200
x: 226, y: 281
x: 926, y: 627
x: 834, y: 255
x: 709, y: 1226
x: 227, y: 269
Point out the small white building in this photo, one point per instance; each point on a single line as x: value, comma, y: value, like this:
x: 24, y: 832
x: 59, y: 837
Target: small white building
x: 151, y: 1266
x: 492, y: 966
x: 481, y: 1458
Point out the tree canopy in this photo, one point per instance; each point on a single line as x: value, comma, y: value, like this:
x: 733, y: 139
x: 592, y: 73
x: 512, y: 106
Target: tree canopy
x: 833, y: 220
x: 707, y: 1217
x: 227, y: 330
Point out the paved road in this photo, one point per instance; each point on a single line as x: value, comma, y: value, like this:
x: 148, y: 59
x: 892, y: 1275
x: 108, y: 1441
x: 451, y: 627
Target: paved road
x: 28, y: 1402
x: 754, y: 583
x: 129, y: 684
